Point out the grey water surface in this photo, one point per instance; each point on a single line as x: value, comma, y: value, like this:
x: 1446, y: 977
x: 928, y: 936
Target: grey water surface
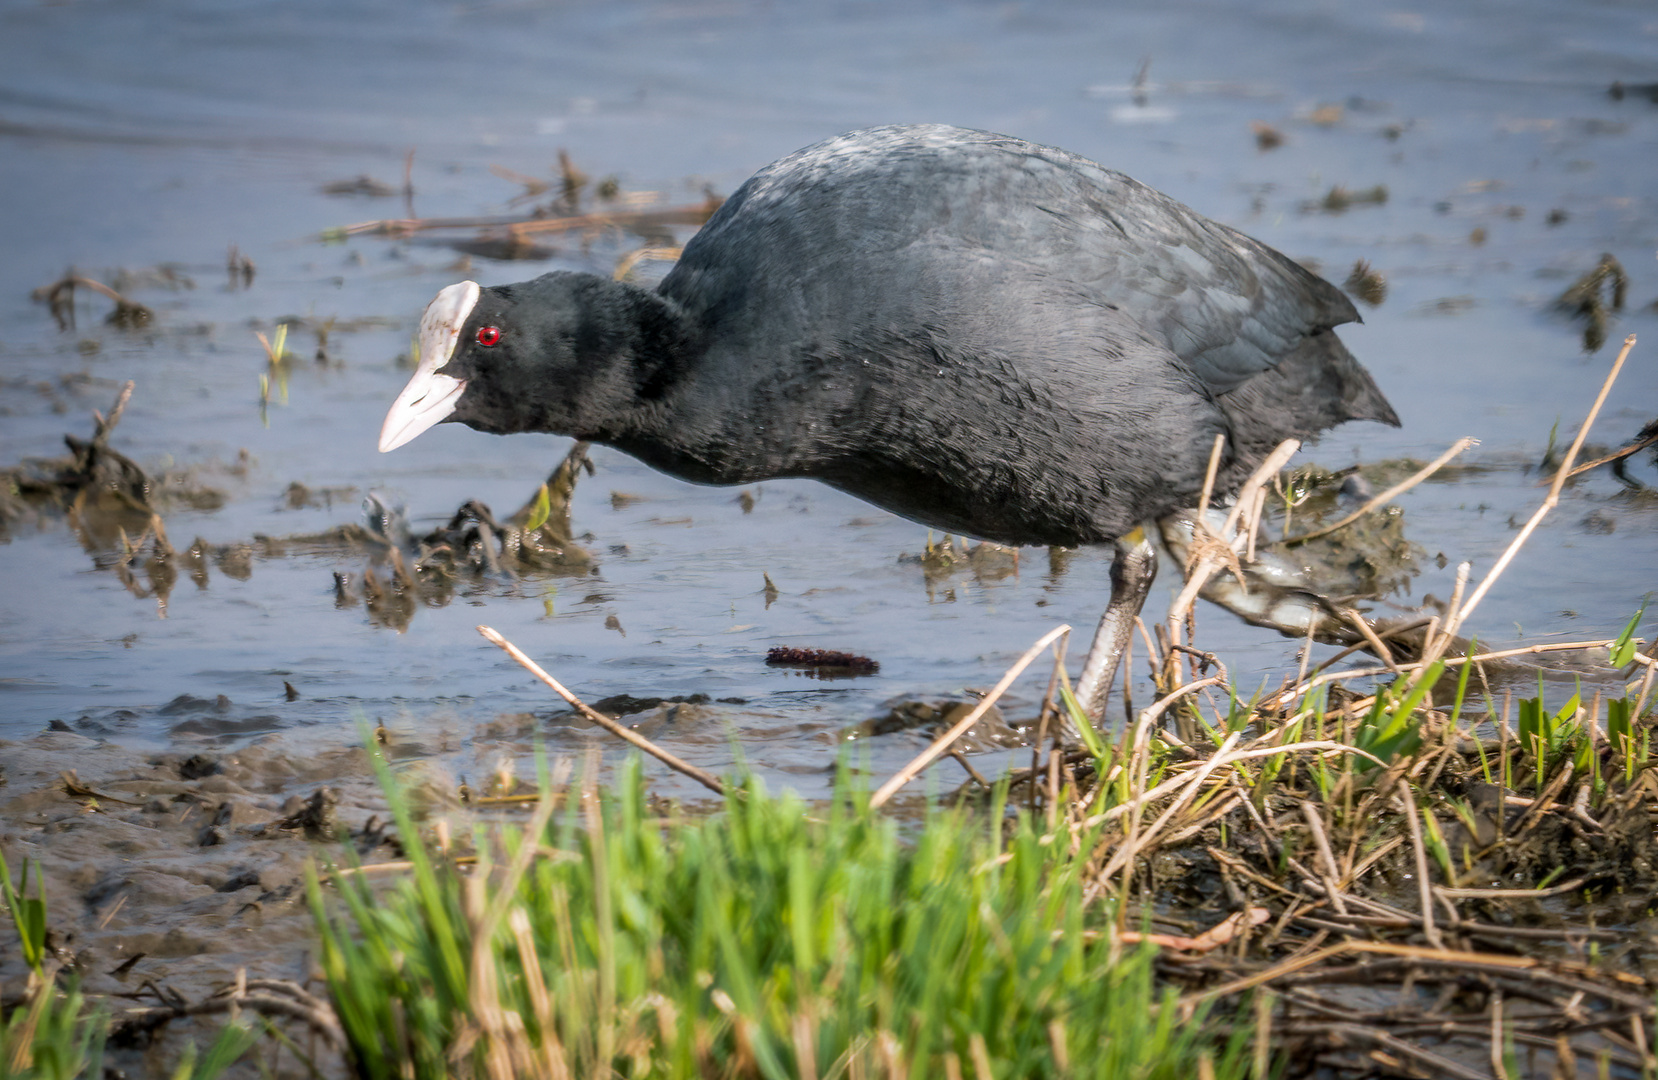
x: 158, y: 135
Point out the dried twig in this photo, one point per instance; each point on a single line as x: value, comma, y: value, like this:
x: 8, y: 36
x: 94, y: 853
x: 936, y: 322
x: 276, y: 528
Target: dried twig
x: 268, y: 997
x: 959, y: 728
x: 1326, y: 857
x: 1619, y: 454
x: 1213, y: 938
x: 701, y: 776
x: 1423, y: 884
x: 1391, y: 493
x: 1553, y: 498
x: 1210, y: 562
x: 691, y: 214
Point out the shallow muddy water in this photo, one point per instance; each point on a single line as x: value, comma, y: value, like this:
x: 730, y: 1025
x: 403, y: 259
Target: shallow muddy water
x: 157, y: 138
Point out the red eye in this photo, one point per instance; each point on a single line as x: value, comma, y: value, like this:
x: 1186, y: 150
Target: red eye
x: 489, y: 336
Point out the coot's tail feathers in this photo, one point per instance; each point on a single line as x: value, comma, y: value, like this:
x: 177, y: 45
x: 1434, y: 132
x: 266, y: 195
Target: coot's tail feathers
x: 1316, y: 386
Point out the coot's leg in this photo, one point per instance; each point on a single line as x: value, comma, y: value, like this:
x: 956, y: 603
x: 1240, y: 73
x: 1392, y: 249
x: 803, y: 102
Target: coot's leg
x: 1132, y: 572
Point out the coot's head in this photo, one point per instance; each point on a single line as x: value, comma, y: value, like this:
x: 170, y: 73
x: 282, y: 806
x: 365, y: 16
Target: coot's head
x: 536, y: 356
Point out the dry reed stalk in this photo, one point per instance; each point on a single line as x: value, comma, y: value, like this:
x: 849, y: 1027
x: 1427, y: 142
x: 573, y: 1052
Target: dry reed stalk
x: 1058, y: 1045
x: 38, y: 993
x: 625, y: 265
x: 483, y: 995
x: 1208, y: 563
x: 942, y: 743
x: 100, y: 435
x: 1194, y: 780
x: 529, y: 846
x: 554, y: 1062
x: 1209, y: 475
x: 1263, y: 1006
x: 1499, y: 1067
x: 1510, y: 894
x: 1321, y: 843
x: 1460, y: 616
x: 1379, y: 647
x: 1437, y: 649
x: 1420, y: 853
x: 805, y: 1052
x: 1646, y: 681
x: 979, y: 1054
x: 1048, y: 714
x: 1391, y: 493
x: 701, y: 776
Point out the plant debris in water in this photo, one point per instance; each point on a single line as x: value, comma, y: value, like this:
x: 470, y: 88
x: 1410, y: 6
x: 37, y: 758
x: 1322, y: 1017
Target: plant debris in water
x: 1366, y: 283
x: 941, y: 558
x: 513, y: 236
x: 991, y: 732
x: 1267, y: 137
x: 360, y: 185
x: 1339, y: 200
x: 1620, y: 90
x: 823, y: 661
x: 474, y: 543
x: 59, y: 297
x: 114, y: 505
x: 1594, y: 298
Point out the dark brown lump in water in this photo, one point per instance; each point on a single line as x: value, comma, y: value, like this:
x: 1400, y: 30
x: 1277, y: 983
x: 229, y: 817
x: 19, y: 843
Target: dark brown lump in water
x: 825, y: 660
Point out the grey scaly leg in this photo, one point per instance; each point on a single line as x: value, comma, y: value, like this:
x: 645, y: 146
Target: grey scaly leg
x: 1132, y: 572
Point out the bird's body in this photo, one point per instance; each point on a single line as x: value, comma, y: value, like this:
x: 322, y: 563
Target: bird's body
x: 989, y: 336
x: 984, y: 335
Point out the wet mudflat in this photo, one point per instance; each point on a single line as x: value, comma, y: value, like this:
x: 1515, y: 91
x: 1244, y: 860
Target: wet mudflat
x: 206, y: 167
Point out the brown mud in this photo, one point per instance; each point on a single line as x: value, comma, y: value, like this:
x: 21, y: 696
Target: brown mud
x: 171, y: 875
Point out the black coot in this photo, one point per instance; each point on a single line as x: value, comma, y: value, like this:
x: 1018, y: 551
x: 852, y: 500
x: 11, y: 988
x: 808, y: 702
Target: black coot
x: 984, y: 335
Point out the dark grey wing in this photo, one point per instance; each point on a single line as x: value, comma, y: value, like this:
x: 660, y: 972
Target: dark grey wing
x: 970, y: 390
x: 825, y: 226
x: 1229, y: 306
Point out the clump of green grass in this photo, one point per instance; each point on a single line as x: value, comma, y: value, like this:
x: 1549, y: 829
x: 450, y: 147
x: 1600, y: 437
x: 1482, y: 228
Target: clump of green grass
x: 772, y: 940
x: 51, y: 1037
x: 55, y: 1033
x: 47, y: 1036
